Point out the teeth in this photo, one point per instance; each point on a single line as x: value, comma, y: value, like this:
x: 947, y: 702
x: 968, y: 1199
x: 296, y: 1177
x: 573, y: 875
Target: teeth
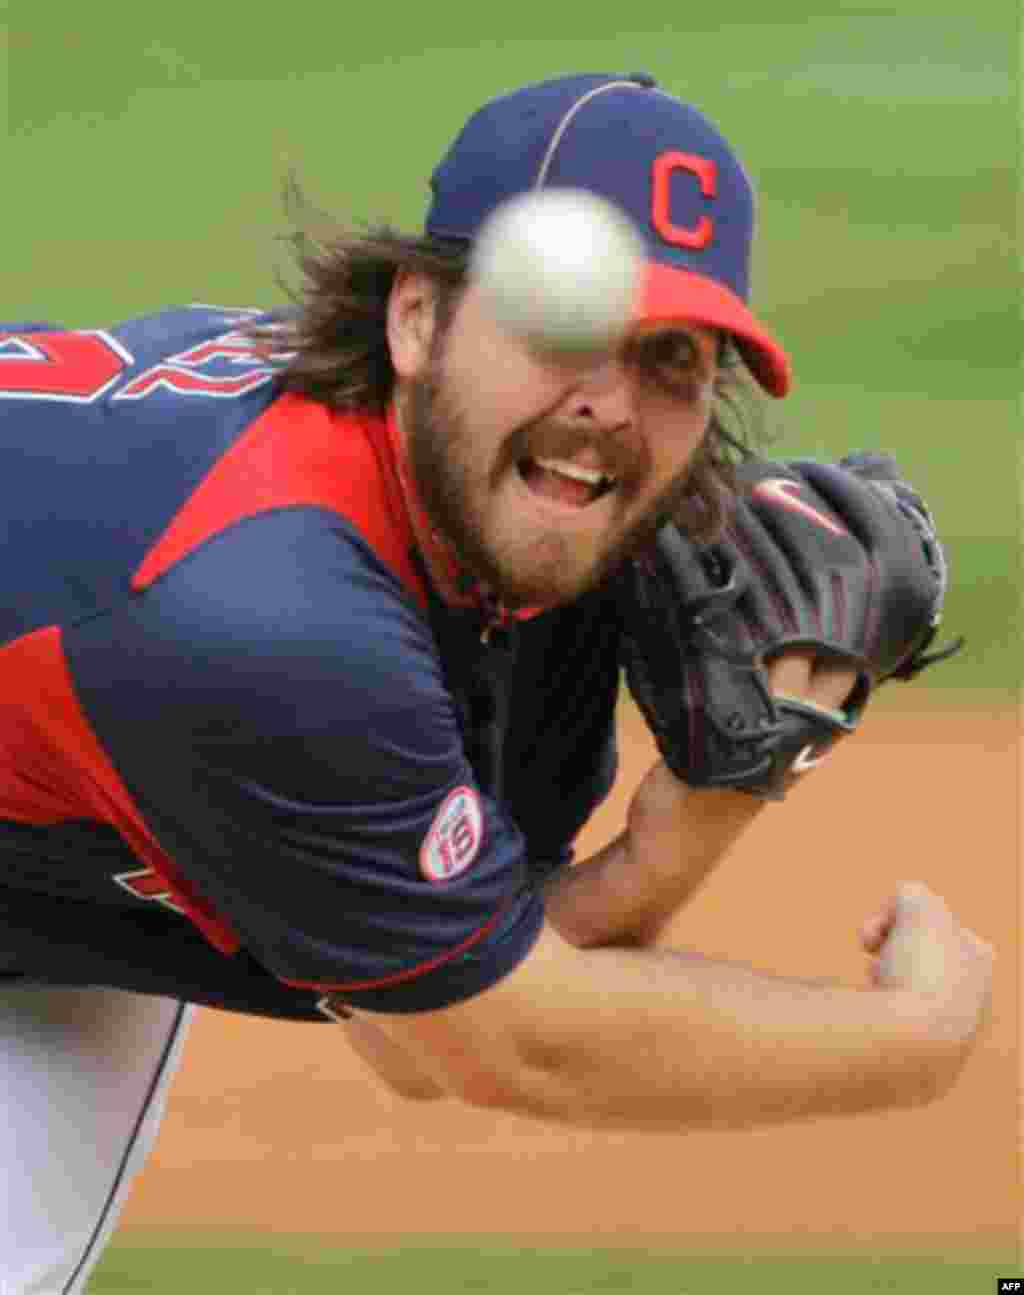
x: 575, y: 472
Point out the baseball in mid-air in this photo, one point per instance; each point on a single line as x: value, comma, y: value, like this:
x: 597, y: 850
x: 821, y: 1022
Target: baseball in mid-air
x: 559, y: 268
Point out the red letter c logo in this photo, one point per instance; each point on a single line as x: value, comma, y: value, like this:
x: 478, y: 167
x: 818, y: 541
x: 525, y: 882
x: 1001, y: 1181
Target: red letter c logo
x: 661, y: 214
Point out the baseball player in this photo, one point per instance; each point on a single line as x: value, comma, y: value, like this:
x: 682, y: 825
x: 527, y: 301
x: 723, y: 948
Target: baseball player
x: 311, y: 634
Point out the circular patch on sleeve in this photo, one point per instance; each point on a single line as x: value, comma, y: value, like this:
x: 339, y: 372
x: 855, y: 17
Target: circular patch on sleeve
x: 453, y: 841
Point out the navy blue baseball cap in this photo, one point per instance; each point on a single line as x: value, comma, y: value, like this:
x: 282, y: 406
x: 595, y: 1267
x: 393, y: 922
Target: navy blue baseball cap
x: 658, y: 159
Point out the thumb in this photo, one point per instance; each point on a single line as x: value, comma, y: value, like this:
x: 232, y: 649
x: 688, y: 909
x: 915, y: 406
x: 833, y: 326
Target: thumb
x: 913, y: 954
x: 898, y: 910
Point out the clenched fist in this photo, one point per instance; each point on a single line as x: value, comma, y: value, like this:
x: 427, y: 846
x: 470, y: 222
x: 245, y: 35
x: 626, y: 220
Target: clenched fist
x: 918, y: 946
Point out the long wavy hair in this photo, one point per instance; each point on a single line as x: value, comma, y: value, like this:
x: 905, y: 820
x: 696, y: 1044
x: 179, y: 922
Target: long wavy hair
x: 335, y: 336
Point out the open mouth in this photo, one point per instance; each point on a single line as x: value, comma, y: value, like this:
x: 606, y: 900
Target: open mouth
x: 565, y: 483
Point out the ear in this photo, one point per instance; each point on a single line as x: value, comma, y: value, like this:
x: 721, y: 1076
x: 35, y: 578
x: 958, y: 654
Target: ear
x: 411, y: 321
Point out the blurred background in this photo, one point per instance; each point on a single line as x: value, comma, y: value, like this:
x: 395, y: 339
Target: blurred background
x: 145, y: 152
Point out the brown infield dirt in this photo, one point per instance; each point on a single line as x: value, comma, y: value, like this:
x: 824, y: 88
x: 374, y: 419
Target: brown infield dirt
x: 277, y: 1126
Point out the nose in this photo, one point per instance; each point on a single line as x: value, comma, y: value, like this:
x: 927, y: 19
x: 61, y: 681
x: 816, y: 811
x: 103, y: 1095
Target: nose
x: 601, y: 393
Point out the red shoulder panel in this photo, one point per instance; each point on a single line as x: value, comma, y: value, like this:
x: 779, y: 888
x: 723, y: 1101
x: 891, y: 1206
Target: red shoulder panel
x: 298, y: 453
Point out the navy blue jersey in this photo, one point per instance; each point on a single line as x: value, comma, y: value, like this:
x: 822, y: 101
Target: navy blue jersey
x: 246, y: 756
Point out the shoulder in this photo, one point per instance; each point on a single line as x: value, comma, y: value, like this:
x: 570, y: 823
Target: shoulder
x: 297, y: 586
x: 297, y: 454
x: 286, y: 631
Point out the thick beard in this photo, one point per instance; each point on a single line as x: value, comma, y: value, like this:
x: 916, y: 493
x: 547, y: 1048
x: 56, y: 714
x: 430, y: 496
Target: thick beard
x: 439, y: 446
x: 436, y: 436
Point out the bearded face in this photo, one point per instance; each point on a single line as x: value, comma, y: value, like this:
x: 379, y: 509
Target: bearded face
x: 541, y: 474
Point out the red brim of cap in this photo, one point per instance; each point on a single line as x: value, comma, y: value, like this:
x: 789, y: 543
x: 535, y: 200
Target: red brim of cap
x: 670, y: 293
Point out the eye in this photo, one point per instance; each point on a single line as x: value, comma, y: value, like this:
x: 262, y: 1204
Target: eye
x: 670, y: 358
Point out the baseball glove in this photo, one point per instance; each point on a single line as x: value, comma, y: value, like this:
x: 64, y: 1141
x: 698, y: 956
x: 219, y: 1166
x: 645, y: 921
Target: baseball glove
x: 839, y: 559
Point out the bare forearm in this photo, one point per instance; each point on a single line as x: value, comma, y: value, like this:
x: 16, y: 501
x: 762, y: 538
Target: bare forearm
x: 627, y: 893
x: 622, y: 896
x: 679, y: 1042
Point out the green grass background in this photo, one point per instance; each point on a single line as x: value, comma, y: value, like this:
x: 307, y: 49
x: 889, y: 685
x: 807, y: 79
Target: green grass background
x: 298, y: 1267
x: 142, y: 167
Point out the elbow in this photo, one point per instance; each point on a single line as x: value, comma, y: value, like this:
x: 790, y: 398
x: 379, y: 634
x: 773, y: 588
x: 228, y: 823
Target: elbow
x: 490, y: 1091
x: 531, y: 1085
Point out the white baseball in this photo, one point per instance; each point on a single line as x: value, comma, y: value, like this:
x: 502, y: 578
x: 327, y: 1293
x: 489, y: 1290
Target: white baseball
x: 560, y: 268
